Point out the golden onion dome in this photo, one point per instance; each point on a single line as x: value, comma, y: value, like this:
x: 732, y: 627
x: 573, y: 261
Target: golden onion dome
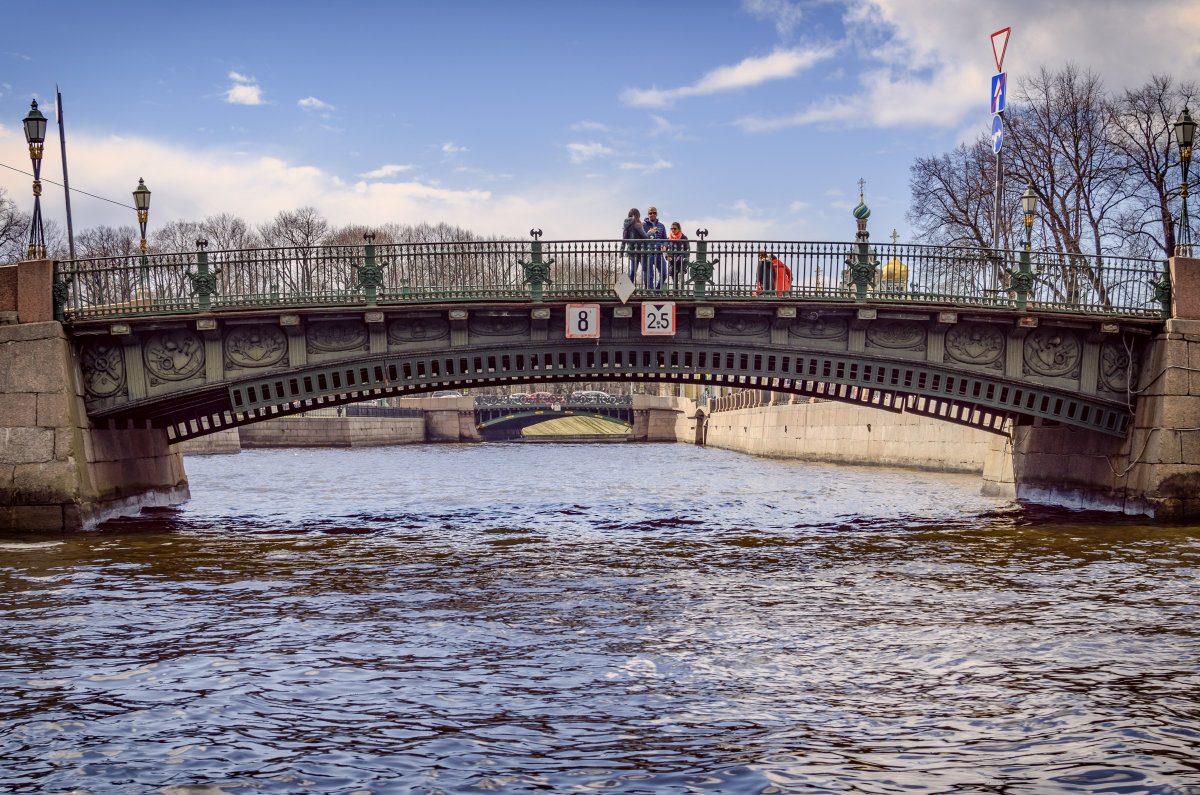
x: 895, y: 270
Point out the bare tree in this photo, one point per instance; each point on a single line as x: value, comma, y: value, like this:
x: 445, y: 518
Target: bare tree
x: 228, y: 232
x: 1144, y: 135
x: 14, y: 231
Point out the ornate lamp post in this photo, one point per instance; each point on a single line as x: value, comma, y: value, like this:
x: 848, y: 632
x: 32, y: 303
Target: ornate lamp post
x: 1185, y: 132
x: 1022, y: 278
x: 35, y: 135
x: 141, y: 202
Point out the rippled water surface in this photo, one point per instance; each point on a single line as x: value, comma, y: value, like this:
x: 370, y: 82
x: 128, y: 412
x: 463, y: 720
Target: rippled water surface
x: 598, y: 618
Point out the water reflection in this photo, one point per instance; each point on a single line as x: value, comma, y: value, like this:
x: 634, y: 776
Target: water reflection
x: 649, y: 618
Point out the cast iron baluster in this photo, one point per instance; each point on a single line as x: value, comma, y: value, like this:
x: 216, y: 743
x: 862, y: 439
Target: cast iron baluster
x: 370, y: 275
x: 1162, y: 289
x: 204, y: 282
x: 537, y: 272
x: 702, y: 269
x: 61, y: 293
x: 1021, y: 280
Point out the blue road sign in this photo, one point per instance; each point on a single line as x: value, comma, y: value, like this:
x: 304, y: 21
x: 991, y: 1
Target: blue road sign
x: 997, y: 134
x: 998, y: 83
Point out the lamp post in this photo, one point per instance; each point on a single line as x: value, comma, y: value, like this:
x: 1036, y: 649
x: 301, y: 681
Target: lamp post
x: 1185, y: 132
x: 141, y: 202
x: 1022, y: 278
x: 35, y: 135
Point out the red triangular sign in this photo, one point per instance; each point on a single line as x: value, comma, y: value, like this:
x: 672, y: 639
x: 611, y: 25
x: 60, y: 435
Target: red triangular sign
x: 999, y: 45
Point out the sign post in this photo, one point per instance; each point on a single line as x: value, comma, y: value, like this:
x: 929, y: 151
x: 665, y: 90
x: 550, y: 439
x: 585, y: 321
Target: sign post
x: 999, y: 84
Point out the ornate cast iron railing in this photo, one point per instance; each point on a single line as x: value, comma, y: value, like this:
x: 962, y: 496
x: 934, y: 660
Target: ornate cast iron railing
x: 403, y: 273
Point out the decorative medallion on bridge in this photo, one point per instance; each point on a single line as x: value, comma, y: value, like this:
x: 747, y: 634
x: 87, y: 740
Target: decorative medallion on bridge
x: 175, y: 355
x: 500, y: 325
x: 740, y: 325
x: 255, y: 346
x: 1052, y: 352
x: 816, y: 327
x: 976, y: 344
x: 417, y: 329
x: 1118, y: 366
x: 896, y: 334
x: 337, y: 335
x: 103, y: 368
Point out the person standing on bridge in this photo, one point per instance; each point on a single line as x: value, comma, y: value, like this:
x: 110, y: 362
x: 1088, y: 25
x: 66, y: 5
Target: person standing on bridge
x: 655, y: 266
x: 634, y: 232
x: 677, y: 255
x: 774, y: 278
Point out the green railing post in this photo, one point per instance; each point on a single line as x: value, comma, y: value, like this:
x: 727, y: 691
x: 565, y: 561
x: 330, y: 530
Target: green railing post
x: 370, y: 275
x: 204, y: 282
x: 862, y: 270
x: 537, y: 272
x: 702, y: 269
x: 1021, y: 280
x: 60, y: 292
x: 1162, y: 289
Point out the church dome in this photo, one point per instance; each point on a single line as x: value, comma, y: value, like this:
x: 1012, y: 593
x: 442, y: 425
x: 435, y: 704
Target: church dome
x: 895, y: 270
x: 862, y: 212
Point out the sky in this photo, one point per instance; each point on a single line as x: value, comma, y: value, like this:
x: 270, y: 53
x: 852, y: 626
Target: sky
x: 754, y: 119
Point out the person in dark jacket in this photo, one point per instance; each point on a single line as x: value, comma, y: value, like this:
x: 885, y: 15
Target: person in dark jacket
x: 655, y: 265
x: 630, y: 245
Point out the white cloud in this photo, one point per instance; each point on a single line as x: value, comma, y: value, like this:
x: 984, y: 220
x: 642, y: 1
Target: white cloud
x: 798, y: 206
x: 384, y: 172
x: 192, y: 183
x: 749, y: 72
x: 582, y: 152
x: 664, y: 127
x: 929, y: 62
x: 312, y: 103
x: 244, y: 91
x: 589, y: 126
x: 657, y: 165
x: 785, y: 15
x: 451, y: 148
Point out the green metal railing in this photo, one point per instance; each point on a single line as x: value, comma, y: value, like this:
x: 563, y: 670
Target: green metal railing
x: 401, y: 273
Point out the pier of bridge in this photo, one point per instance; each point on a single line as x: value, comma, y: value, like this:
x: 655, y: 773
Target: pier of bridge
x: 104, y: 365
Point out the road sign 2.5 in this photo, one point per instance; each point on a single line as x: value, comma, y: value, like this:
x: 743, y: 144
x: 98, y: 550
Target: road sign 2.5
x: 658, y: 319
x: 583, y: 321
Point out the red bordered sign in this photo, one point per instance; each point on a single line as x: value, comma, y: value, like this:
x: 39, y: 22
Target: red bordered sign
x: 583, y: 321
x: 658, y: 319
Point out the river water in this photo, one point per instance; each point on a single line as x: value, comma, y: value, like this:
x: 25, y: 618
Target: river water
x: 620, y: 618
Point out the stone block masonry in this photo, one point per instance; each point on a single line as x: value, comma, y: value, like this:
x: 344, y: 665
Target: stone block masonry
x: 57, y: 472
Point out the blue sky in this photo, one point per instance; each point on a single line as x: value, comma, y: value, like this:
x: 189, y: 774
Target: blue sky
x: 753, y: 118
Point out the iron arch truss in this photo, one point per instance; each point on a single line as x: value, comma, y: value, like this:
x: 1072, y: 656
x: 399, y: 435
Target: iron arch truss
x: 196, y: 377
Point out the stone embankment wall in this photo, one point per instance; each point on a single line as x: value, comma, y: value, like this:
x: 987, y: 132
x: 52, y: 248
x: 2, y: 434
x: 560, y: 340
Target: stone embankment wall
x: 56, y: 471
x: 841, y: 433
x: 333, y: 432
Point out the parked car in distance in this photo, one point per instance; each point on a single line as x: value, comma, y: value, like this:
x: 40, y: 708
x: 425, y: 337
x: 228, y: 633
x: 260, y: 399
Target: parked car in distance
x: 543, y: 398
x: 588, y: 395
x: 447, y: 393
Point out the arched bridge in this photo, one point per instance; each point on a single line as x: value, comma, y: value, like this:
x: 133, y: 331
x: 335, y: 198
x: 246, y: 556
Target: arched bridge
x: 506, y: 415
x: 201, y: 341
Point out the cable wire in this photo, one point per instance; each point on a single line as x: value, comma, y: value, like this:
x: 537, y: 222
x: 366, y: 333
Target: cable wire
x: 76, y: 190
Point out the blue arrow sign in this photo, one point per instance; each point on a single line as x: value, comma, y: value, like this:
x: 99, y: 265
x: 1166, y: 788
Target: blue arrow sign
x: 997, y: 134
x: 998, y: 83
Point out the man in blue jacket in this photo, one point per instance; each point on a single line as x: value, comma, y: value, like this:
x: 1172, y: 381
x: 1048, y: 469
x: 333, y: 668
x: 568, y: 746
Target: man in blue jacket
x: 655, y: 266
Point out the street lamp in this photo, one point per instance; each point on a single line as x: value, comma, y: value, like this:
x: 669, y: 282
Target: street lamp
x: 141, y: 202
x: 1021, y: 280
x: 1029, y: 209
x: 1185, y: 132
x: 35, y: 135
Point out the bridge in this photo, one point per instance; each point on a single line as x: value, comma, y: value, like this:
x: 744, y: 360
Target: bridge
x: 505, y: 416
x: 174, y: 346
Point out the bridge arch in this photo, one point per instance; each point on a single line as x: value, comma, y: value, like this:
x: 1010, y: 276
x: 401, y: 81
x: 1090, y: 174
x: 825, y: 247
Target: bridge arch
x: 195, y: 376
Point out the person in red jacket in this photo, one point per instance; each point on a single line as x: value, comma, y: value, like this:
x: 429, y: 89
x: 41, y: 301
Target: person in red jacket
x: 774, y: 278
